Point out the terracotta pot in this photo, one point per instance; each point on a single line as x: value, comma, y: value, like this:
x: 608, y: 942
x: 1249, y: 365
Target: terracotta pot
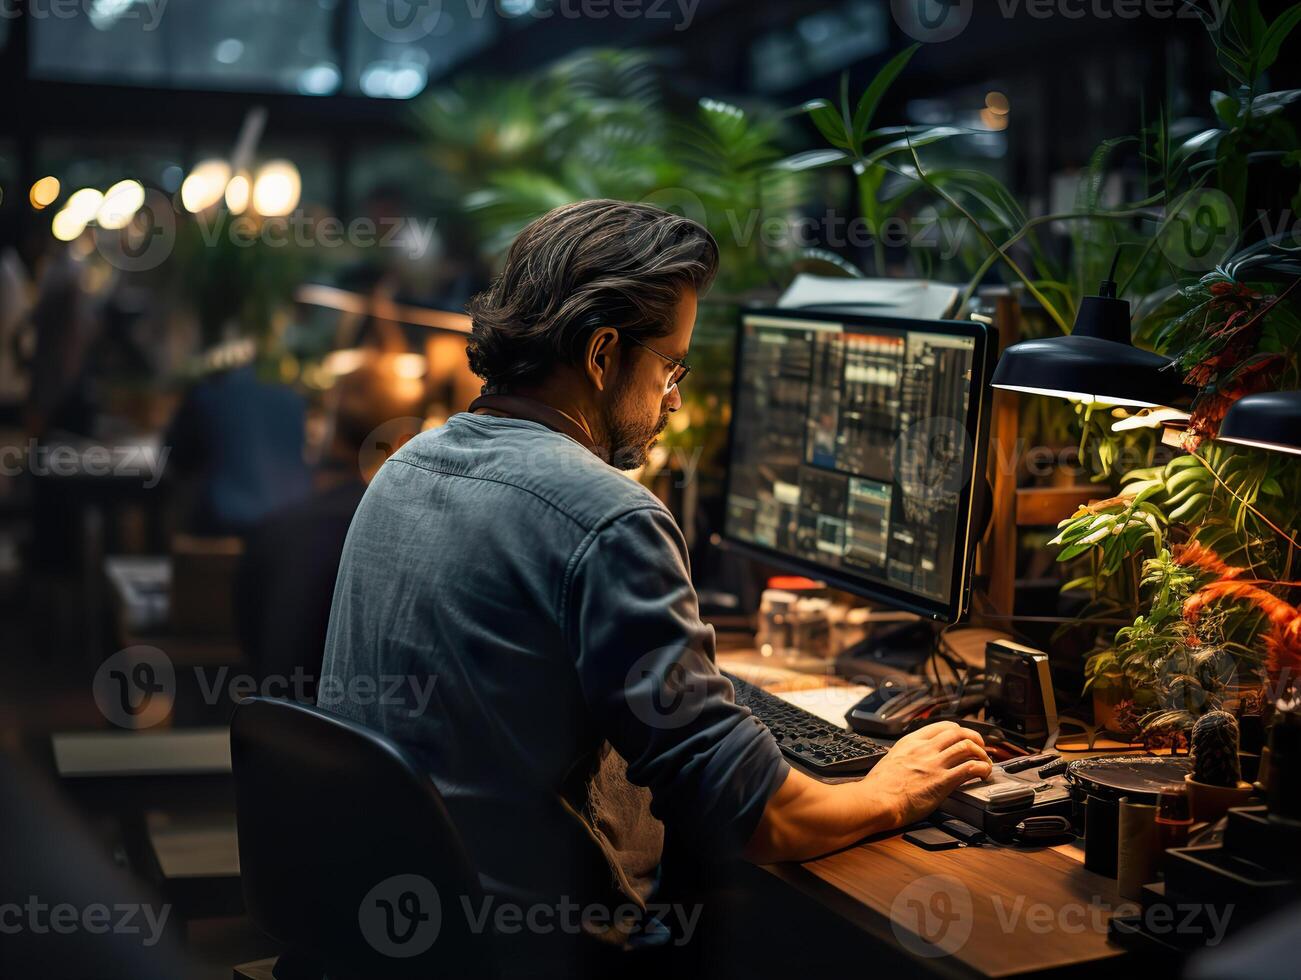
x: 1208, y: 803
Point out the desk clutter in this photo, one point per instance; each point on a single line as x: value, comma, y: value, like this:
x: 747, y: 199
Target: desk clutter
x: 1170, y: 830
x: 1181, y: 835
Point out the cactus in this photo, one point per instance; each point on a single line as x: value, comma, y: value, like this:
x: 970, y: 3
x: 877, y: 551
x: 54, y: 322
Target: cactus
x: 1215, y: 749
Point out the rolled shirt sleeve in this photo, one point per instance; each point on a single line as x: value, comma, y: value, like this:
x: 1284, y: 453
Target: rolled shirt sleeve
x: 645, y: 664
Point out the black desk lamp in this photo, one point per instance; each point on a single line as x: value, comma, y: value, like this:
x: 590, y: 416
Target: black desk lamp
x: 1268, y: 420
x: 1096, y: 362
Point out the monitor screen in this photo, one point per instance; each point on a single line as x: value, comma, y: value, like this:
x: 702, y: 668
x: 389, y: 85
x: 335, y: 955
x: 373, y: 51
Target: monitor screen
x: 855, y: 443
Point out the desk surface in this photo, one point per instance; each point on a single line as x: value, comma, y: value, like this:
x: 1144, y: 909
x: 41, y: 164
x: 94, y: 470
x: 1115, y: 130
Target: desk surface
x: 988, y: 911
x: 114, y: 754
x: 991, y: 911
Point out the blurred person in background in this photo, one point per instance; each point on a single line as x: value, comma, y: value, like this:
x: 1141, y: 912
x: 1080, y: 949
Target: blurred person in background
x: 286, y: 577
x: 65, y: 324
x: 15, y: 334
x: 237, y: 446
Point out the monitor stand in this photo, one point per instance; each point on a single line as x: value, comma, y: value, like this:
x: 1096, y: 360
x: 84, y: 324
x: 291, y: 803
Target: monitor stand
x: 895, y: 649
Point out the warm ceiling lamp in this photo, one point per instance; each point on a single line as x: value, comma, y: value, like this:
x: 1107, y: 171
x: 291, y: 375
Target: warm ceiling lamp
x: 120, y: 204
x: 67, y: 226
x: 44, y: 192
x: 205, y: 185
x: 238, y: 192
x: 277, y: 189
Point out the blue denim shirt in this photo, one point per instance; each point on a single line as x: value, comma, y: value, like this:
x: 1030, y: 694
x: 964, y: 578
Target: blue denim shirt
x: 547, y: 599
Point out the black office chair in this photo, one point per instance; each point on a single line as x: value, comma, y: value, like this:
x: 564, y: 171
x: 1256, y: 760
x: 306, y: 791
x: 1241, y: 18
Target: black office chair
x: 347, y: 853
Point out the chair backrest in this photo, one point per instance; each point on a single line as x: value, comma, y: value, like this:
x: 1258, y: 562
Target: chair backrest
x: 347, y: 852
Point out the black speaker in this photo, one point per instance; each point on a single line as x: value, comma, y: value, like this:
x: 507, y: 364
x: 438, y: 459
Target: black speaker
x: 1019, y: 690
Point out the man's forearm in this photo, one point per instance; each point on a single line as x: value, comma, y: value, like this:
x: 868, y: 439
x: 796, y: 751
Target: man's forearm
x: 806, y: 818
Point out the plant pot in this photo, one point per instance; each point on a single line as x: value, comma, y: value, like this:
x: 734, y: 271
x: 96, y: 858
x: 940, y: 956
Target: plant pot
x: 1208, y: 803
x: 1104, y: 709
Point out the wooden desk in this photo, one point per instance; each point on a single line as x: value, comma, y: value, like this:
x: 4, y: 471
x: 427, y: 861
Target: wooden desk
x: 991, y: 911
x: 987, y: 911
x: 195, y: 861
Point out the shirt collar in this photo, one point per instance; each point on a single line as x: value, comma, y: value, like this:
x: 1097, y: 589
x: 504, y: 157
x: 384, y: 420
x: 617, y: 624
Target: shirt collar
x: 532, y: 410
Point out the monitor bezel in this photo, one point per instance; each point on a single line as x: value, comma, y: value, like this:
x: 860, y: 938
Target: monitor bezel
x: 973, y: 494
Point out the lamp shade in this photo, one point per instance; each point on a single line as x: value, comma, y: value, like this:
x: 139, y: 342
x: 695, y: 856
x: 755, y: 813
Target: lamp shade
x: 1269, y: 420
x: 1092, y: 370
x: 1095, y: 363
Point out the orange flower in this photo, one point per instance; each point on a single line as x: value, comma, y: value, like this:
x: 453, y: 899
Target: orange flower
x: 1282, y: 643
x: 1194, y: 554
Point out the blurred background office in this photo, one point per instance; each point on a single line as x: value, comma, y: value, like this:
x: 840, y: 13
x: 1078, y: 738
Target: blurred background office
x: 237, y: 238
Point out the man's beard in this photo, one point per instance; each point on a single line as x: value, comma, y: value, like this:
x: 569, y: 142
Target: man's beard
x: 630, y: 439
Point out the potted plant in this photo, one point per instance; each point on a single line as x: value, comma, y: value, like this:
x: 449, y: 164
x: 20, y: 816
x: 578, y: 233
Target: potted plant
x: 1216, y: 783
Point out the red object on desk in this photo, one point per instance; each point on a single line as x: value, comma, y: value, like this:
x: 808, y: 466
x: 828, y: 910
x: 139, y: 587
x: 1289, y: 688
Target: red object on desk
x: 794, y: 583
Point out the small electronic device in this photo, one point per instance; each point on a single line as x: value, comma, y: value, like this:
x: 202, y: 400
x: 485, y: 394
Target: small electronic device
x: 1042, y: 830
x: 856, y: 452
x: 997, y: 804
x: 1019, y: 691
x: 1029, y: 762
x: 963, y: 831
x: 1054, y: 768
x: 888, y: 711
x: 1010, y: 797
x: 803, y: 737
x: 932, y: 839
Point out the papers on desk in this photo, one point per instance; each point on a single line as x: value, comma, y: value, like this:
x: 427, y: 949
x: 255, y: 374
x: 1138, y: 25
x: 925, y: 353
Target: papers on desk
x: 916, y: 298
x: 828, y: 703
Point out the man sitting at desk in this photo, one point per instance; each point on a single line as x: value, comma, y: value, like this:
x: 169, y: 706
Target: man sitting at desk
x: 547, y: 596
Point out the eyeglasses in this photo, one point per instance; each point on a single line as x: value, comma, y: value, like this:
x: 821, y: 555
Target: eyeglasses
x: 680, y: 371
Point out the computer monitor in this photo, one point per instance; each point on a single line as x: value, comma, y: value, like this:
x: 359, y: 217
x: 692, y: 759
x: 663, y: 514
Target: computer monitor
x: 856, y: 452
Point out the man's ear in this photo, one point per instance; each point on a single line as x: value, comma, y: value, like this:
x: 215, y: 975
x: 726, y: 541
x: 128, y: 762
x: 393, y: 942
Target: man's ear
x: 601, y: 359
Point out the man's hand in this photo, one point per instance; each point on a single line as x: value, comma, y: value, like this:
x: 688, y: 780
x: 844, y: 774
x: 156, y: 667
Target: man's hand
x: 926, y: 766
x: 806, y: 818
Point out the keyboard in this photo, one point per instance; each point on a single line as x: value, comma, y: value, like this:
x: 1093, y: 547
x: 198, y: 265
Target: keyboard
x: 817, y: 745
